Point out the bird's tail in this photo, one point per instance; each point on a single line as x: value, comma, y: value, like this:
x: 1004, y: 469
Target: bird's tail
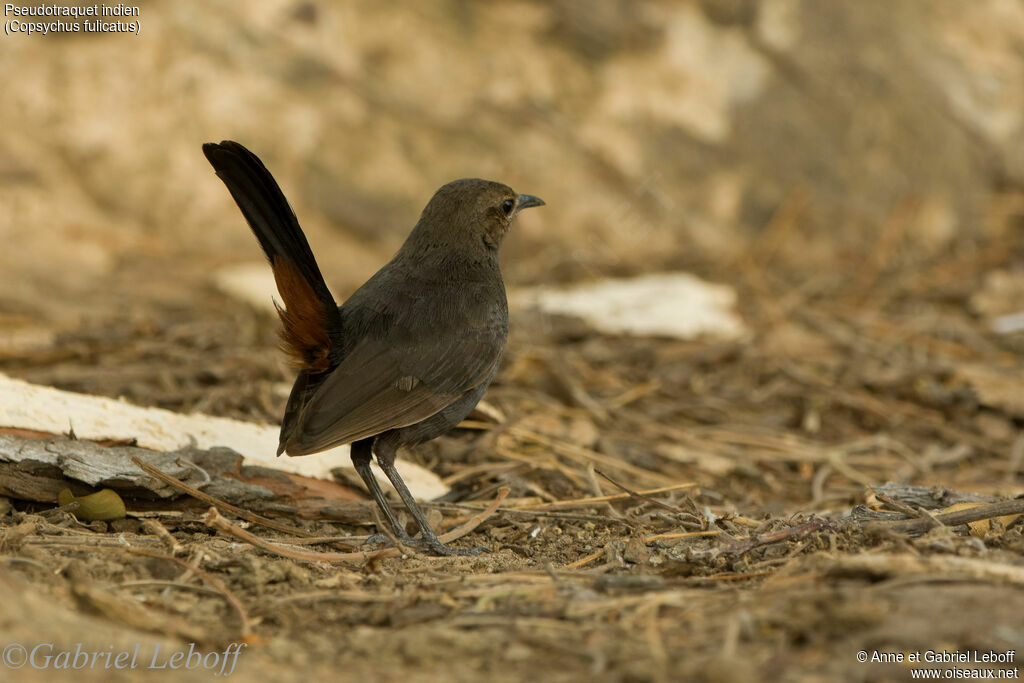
x: 310, y: 316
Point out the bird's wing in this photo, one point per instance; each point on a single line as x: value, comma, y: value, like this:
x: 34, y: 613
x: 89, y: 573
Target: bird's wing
x: 391, y: 382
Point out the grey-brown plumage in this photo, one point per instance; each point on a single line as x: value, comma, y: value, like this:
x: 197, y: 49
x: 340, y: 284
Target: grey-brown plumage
x: 412, y: 351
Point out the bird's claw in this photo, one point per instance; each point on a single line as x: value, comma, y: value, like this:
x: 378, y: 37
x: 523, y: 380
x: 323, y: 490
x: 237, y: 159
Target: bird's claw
x: 432, y: 546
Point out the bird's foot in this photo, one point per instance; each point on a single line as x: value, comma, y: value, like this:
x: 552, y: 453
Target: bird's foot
x: 432, y: 546
x: 386, y: 540
x: 438, y: 548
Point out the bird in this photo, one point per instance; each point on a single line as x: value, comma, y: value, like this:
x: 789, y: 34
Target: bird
x: 411, y: 352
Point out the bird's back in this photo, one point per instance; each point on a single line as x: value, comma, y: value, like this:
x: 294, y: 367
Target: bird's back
x: 413, y: 340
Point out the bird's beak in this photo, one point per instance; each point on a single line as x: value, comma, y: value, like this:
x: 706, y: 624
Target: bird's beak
x: 528, y: 200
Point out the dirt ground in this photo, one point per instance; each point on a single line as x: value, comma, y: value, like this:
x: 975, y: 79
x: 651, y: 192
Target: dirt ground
x: 749, y: 565
x: 799, y: 504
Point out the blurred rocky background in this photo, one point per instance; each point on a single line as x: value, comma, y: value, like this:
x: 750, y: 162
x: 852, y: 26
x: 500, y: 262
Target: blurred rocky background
x: 662, y: 134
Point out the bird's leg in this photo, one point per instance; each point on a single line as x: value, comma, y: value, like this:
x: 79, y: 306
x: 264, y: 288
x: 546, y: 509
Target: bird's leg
x: 386, y: 459
x: 362, y: 453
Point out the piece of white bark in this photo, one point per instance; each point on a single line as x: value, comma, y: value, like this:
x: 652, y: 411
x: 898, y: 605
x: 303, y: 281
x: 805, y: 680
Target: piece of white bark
x: 46, y: 409
x: 676, y: 305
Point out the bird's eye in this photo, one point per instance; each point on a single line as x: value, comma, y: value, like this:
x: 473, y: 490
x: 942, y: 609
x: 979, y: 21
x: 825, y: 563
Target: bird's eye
x: 507, y: 206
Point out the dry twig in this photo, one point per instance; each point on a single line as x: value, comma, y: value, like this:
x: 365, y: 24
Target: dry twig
x: 206, y: 498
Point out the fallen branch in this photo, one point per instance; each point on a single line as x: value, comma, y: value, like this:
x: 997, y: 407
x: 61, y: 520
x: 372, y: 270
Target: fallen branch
x: 216, y: 502
x: 976, y: 514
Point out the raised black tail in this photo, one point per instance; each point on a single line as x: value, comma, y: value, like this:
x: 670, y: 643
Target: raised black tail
x: 310, y: 317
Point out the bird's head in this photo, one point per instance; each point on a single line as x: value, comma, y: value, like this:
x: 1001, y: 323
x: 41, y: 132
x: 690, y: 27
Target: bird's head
x: 471, y: 214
